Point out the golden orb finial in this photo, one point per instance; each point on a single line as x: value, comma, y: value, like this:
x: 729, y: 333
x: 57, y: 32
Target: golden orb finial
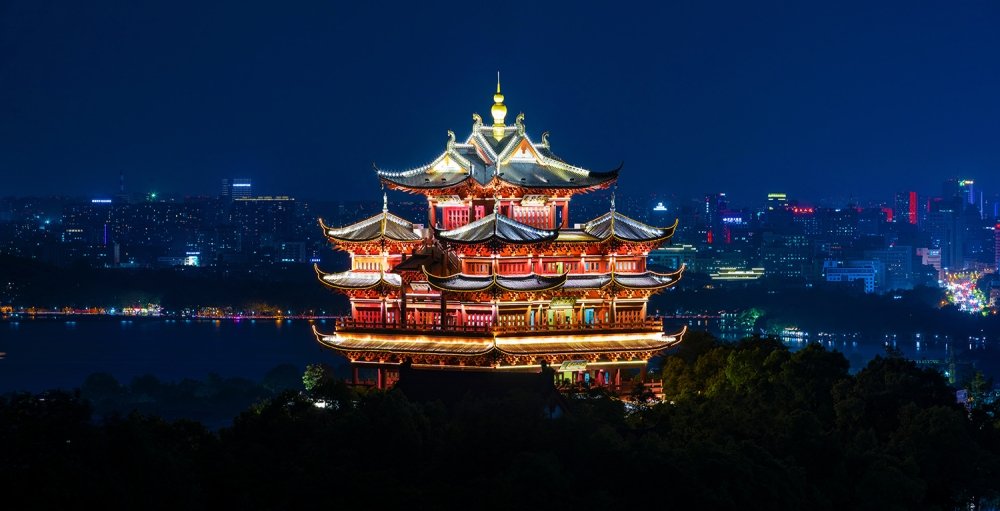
x: 499, y: 111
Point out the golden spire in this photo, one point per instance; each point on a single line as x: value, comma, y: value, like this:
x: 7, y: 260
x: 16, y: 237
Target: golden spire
x: 499, y: 111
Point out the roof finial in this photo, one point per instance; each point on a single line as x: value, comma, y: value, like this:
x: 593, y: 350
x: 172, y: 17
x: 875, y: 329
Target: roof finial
x: 499, y: 111
x: 496, y: 204
x: 613, y: 201
x: 385, y: 202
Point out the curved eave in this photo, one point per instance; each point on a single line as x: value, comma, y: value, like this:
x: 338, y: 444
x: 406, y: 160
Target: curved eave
x: 445, y: 348
x: 380, y: 235
x: 587, y: 288
x: 668, y: 232
x: 551, y: 282
x: 493, y: 238
x: 426, y: 185
x: 591, y: 180
x: 612, y: 233
x: 436, y: 281
x: 381, y: 281
x: 554, y: 283
x: 640, y: 345
x: 674, y: 276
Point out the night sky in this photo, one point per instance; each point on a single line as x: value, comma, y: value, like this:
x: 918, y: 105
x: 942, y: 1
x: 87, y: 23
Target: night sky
x: 818, y: 99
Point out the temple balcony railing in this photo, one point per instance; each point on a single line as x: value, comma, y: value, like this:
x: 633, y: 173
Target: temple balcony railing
x: 644, y: 325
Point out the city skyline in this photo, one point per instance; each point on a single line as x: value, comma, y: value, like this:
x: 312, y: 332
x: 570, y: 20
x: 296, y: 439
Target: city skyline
x: 825, y: 100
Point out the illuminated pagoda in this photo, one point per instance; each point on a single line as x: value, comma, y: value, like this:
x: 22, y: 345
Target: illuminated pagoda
x: 499, y: 280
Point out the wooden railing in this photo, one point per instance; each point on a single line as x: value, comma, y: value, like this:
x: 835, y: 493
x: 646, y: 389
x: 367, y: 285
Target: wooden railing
x: 646, y: 325
x: 349, y: 324
x: 653, y: 325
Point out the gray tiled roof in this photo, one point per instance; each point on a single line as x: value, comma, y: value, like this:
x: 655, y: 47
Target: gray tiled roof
x: 587, y: 281
x: 461, y: 282
x: 499, y: 227
x: 384, y: 224
x: 615, y: 224
x: 551, y: 172
x: 358, y: 279
x: 647, y: 280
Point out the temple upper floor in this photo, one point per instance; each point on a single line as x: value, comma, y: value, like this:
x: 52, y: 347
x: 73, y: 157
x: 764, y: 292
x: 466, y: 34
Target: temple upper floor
x: 497, y: 159
x: 496, y: 233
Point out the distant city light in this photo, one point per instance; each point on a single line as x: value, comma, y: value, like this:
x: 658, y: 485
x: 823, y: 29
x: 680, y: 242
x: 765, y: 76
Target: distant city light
x: 241, y: 185
x: 100, y: 201
x: 963, y: 292
x: 660, y: 207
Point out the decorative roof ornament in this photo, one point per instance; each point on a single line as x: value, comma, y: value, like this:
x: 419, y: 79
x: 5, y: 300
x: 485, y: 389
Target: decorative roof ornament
x: 545, y: 139
x: 499, y: 111
x: 477, y: 122
x: 451, y: 140
x: 385, y: 202
x: 613, y: 200
x: 519, y: 122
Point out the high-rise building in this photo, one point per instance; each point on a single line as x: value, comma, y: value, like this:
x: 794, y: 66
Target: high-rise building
x: 501, y: 281
x: 786, y: 256
x: 896, y: 264
x: 715, y: 206
x: 996, y: 246
x: 262, y: 224
x: 776, y: 201
x: 236, y: 188
x: 905, y: 208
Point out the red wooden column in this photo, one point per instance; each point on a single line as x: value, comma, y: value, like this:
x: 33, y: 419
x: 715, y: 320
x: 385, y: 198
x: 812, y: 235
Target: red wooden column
x: 431, y: 213
x: 379, y: 378
x: 565, y: 215
x: 402, y: 306
x: 354, y: 375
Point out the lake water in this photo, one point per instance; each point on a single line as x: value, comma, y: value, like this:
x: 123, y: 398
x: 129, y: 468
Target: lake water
x: 54, y: 353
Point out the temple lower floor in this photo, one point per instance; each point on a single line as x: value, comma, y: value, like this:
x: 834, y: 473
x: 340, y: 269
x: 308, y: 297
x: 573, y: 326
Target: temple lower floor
x: 615, y: 377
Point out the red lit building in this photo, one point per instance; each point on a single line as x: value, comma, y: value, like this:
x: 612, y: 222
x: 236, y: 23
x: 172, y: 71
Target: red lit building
x: 500, y: 280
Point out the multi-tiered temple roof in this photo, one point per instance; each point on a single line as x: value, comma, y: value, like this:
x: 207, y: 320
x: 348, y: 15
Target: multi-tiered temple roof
x: 499, y: 278
x: 483, y: 161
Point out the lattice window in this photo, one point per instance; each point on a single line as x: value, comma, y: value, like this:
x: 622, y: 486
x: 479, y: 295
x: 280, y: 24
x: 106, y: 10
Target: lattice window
x: 455, y: 217
x: 514, y: 268
x: 535, y: 216
x: 627, y: 266
x: 479, y: 319
x: 474, y: 268
x: 512, y: 320
x: 369, y: 315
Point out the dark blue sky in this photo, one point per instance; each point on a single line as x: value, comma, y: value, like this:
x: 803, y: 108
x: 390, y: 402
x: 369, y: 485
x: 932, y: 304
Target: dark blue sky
x: 816, y: 99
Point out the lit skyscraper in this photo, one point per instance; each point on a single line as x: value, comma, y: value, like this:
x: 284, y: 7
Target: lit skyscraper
x: 236, y: 188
